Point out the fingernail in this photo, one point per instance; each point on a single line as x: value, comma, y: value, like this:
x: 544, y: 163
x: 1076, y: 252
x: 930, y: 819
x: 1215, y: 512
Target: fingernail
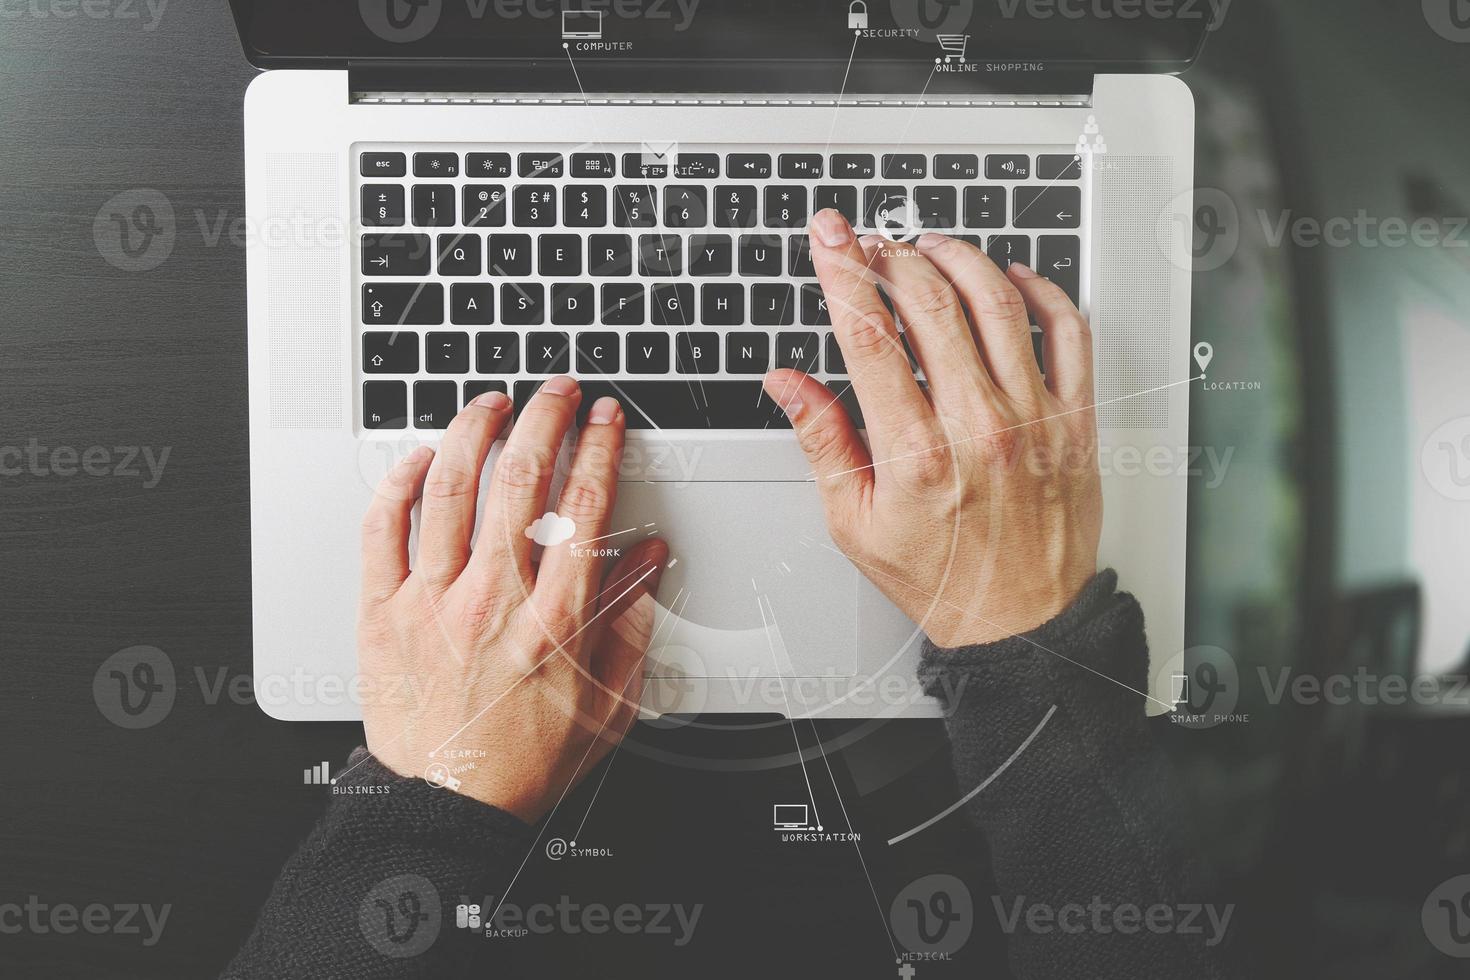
x: 418, y: 455
x: 494, y: 400
x: 1022, y: 270
x: 560, y: 386
x: 831, y: 228
x: 931, y: 239
x: 604, y: 411
x: 871, y: 241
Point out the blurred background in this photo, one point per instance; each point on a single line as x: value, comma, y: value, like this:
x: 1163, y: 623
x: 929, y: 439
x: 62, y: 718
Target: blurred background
x: 1329, y: 602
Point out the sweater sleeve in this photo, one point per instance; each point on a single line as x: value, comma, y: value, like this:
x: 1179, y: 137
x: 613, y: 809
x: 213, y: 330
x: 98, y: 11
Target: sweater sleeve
x: 1085, y: 823
x: 373, y: 891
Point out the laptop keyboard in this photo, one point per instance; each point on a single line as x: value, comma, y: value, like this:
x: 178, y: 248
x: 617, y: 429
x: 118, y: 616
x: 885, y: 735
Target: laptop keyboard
x: 673, y: 281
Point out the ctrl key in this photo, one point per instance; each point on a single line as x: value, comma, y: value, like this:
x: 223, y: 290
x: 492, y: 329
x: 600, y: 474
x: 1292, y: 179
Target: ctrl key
x: 384, y: 405
x: 435, y: 403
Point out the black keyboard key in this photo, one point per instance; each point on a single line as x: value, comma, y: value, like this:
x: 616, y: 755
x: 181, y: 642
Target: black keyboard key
x: 510, y: 255
x: 1053, y: 206
x: 814, y: 306
x: 435, y: 404
x: 390, y: 352
x: 561, y: 255
x: 436, y: 164
x: 648, y: 164
x: 522, y: 304
x: 1038, y: 352
x: 484, y: 205
x: 610, y: 255
x: 474, y: 389
x: 484, y: 165
x: 660, y: 255
x: 623, y: 305
x: 635, y: 206
x: 853, y: 166
x: 597, y: 353
x: 648, y: 353
x: 542, y: 165
x: 673, y: 303
x: 1007, y: 166
x: 747, y: 353
x: 904, y: 166
x: 396, y: 255
x: 848, y: 399
x: 497, y: 352
x: 799, y: 261
x: 403, y: 303
x: 593, y: 165
x: 956, y: 166
x: 985, y: 206
x: 843, y: 200
x: 799, y: 166
x: 677, y: 404
x: 1058, y: 257
x: 1058, y: 166
x: 785, y: 206
x: 384, y: 405
x: 548, y: 353
x: 773, y: 304
x: 710, y: 255
x: 686, y: 207
x: 585, y: 206
x: 534, y: 205
x: 382, y: 205
x: 697, y: 352
x: 459, y: 255
x: 447, y: 353
x: 384, y: 165
x: 884, y: 207
x: 472, y: 303
x: 1005, y: 249
x: 697, y: 166
x: 722, y: 304
x: 836, y: 363
x: 752, y: 166
x: 433, y: 205
x: 760, y: 255
x: 937, y: 207
x: 735, y: 206
x: 573, y: 303
x: 798, y: 351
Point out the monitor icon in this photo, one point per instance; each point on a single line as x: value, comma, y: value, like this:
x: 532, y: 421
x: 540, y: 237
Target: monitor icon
x: 581, y: 25
x: 790, y: 816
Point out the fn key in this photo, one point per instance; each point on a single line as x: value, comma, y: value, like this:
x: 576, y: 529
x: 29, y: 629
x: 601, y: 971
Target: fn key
x: 384, y: 405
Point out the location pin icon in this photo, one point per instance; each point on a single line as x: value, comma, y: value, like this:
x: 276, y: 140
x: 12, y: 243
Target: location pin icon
x: 1202, y: 354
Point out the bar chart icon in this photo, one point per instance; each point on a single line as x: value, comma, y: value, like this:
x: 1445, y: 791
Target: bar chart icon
x: 317, y: 775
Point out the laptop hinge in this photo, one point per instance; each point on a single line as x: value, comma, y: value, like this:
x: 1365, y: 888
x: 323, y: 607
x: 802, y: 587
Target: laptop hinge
x: 734, y: 99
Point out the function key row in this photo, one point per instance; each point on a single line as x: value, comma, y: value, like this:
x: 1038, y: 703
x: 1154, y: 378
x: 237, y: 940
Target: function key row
x: 753, y: 166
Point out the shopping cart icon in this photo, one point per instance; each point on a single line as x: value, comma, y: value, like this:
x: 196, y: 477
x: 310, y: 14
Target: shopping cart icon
x: 953, y: 46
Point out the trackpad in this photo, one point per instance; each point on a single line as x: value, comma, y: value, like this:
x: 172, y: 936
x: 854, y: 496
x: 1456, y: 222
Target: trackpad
x: 755, y: 587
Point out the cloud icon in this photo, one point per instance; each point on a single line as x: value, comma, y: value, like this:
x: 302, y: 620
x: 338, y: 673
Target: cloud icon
x: 550, y: 528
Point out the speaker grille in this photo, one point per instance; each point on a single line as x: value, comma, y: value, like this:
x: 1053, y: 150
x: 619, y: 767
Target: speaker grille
x: 1135, y: 297
x: 302, y: 232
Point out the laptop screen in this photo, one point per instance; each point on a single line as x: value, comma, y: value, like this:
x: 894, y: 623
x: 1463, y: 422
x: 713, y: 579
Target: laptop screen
x: 958, y: 36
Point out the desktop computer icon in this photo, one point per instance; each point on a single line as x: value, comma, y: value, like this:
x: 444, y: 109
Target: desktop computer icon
x: 790, y: 816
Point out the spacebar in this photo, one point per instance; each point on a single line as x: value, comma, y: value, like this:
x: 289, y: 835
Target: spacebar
x: 692, y: 404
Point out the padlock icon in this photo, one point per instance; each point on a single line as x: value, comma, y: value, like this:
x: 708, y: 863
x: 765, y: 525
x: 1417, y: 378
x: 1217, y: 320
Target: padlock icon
x: 857, y: 15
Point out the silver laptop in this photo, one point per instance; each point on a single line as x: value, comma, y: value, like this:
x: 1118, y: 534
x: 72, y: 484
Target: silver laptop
x: 451, y: 198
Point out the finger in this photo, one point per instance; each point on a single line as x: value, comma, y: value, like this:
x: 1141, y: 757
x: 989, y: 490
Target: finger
x: 996, y: 308
x: 1066, y: 337
x: 386, y: 525
x: 935, y: 323
x: 520, y: 480
x: 892, y: 403
x: 631, y: 618
x: 571, y: 571
x: 843, y: 467
x: 453, y: 487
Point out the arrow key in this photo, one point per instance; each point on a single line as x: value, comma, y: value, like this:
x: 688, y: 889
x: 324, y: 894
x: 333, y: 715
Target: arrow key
x: 1051, y: 206
x: 1058, y: 258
